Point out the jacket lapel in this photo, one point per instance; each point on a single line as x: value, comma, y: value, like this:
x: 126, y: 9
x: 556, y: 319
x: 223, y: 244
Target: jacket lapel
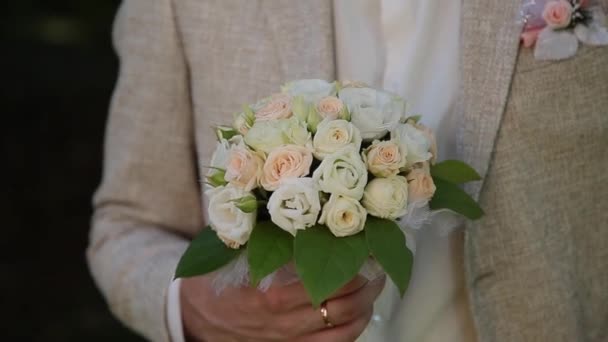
x: 489, y: 47
x: 302, y: 32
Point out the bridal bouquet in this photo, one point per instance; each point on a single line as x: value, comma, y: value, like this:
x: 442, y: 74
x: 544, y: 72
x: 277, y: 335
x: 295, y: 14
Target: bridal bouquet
x: 322, y: 175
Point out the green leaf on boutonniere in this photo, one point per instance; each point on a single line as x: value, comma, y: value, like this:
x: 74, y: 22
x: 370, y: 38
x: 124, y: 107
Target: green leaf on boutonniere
x: 205, y: 254
x: 450, y: 196
x: 325, y: 263
x: 386, y: 242
x: 454, y: 171
x: 269, y: 248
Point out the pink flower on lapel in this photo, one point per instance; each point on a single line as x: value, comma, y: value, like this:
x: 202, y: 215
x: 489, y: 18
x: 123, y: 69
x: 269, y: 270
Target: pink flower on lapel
x: 558, y: 14
x: 557, y: 27
x: 529, y: 37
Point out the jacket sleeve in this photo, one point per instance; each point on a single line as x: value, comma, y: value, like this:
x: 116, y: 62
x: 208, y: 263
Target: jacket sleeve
x: 149, y: 199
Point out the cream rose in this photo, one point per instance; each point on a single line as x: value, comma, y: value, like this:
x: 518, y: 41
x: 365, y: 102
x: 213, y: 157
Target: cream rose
x: 232, y: 225
x: 384, y: 158
x: 386, y: 197
x: 330, y: 107
x: 414, y: 141
x: 421, y: 187
x: 278, y: 106
x: 244, y: 167
x: 374, y: 112
x: 295, y: 205
x: 288, y: 161
x: 558, y: 14
x: 265, y: 136
x: 344, y: 216
x: 342, y: 173
x: 333, y: 135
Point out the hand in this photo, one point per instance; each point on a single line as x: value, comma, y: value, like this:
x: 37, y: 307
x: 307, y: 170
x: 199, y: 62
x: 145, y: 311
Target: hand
x: 283, y: 313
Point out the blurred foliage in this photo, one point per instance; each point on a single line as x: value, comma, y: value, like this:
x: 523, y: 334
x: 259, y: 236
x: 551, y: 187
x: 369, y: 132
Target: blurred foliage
x: 59, y: 73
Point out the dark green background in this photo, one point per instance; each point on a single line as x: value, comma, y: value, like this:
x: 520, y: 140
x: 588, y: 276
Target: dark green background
x: 58, y: 73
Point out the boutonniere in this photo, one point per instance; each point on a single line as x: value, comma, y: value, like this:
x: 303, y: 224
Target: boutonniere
x: 554, y: 28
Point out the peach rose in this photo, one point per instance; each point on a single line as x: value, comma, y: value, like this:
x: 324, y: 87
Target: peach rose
x: 557, y: 14
x: 288, y: 161
x: 244, y: 168
x: 421, y: 187
x: 277, y: 107
x: 384, y: 158
x: 330, y: 107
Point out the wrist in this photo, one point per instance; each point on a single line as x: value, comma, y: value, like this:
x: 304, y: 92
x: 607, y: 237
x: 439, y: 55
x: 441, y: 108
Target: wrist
x: 190, y: 326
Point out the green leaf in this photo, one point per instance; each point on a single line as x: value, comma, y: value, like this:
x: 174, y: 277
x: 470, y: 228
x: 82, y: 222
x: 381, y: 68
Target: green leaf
x: 454, y: 171
x: 325, y: 263
x: 205, y: 254
x: 269, y: 248
x: 450, y: 196
x: 386, y: 242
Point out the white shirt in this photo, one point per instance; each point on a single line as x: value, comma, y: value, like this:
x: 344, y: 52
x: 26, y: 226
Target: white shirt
x: 409, y: 47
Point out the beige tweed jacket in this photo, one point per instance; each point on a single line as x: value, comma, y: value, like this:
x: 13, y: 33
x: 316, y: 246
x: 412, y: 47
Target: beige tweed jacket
x: 537, y: 264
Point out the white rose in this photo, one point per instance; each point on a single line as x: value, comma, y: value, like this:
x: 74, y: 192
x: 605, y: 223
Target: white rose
x: 295, y: 205
x: 384, y: 158
x: 344, y: 216
x: 219, y: 159
x: 232, y: 225
x: 311, y: 90
x: 334, y: 135
x: 244, y: 167
x: 374, y: 112
x: 414, y: 141
x: 265, y: 136
x: 354, y: 84
x: 386, y: 197
x: 342, y: 173
x: 220, y: 156
x: 430, y: 137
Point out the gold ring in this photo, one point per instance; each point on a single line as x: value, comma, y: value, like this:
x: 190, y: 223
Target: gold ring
x: 325, y: 315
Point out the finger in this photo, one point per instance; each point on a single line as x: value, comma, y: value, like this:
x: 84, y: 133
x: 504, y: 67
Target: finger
x: 354, y: 285
x: 348, y: 308
x: 282, y: 299
x: 340, y: 310
x: 343, y: 333
x: 290, y: 297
